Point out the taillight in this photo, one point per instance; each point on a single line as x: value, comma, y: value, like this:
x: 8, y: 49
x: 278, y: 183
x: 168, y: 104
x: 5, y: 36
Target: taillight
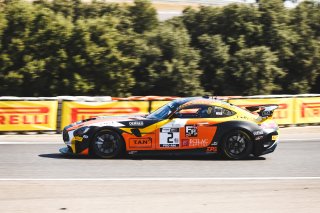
x: 269, y: 125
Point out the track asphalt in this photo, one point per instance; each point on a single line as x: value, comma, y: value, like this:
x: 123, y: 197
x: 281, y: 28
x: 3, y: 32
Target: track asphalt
x: 35, y: 178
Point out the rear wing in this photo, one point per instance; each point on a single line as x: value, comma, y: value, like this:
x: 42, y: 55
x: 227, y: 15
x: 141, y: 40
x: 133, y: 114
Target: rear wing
x: 264, y: 111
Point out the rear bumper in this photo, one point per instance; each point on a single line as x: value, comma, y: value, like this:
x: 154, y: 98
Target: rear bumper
x: 267, y: 145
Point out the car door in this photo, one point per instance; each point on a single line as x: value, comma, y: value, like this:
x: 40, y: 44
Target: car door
x: 186, y: 130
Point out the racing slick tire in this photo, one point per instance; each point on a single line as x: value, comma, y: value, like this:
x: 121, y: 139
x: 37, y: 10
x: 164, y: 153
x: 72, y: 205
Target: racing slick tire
x: 107, y: 144
x: 236, y: 145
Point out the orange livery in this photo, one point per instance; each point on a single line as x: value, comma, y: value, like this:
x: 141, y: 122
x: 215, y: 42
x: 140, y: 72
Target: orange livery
x: 196, y: 124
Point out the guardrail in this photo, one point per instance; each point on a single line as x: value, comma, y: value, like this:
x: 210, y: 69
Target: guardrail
x: 53, y: 113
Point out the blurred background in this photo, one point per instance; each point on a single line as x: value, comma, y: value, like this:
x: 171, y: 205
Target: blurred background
x: 122, y: 48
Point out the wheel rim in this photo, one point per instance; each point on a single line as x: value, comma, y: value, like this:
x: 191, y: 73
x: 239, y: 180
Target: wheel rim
x: 236, y: 144
x: 106, y: 143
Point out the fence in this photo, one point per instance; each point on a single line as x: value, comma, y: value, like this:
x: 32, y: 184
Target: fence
x: 52, y: 114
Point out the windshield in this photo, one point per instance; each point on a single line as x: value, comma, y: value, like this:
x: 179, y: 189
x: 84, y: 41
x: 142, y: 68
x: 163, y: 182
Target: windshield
x: 164, y: 111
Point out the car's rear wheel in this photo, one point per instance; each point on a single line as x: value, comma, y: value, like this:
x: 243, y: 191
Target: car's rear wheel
x: 107, y: 144
x: 236, y: 145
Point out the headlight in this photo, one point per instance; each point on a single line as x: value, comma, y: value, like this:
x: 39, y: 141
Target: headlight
x: 81, y: 131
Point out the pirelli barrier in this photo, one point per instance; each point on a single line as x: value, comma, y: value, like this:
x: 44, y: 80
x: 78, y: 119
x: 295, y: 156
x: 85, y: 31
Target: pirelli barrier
x: 75, y: 111
x: 52, y: 114
x: 28, y: 115
x: 299, y: 109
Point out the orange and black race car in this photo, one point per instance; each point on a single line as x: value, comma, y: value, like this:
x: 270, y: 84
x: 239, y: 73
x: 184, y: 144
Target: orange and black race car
x: 196, y: 124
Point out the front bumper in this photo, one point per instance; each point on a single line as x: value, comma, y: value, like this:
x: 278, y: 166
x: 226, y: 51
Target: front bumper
x: 76, y: 144
x: 66, y: 151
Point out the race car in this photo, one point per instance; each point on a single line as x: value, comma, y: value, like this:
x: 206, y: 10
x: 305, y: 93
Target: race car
x: 196, y: 124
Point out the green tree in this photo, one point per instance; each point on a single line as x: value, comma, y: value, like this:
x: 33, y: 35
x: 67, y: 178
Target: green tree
x: 17, y: 18
x: 253, y: 71
x: 214, y: 57
x: 46, y: 56
x: 99, y: 67
x: 169, y: 66
x: 143, y: 15
x: 304, y: 67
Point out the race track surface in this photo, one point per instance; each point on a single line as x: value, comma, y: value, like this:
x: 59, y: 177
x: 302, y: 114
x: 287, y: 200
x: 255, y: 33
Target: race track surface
x: 34, y: 177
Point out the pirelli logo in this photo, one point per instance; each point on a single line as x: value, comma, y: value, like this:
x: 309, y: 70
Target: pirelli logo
x: 310, y: 110
x: 24, y: 115
x: 84, y: 113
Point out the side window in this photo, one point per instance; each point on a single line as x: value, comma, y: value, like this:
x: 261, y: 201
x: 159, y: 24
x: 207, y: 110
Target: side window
x: 197, y: 111
x: 220, y: 112
x: 191, y: 112
x: 214, y: 112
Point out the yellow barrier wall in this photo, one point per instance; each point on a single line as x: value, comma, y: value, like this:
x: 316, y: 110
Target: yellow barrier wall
x: 283, y: 115
x: 307, y: 110
x: 42, y: 115
x: 28, y: 115
x: 75, y: 111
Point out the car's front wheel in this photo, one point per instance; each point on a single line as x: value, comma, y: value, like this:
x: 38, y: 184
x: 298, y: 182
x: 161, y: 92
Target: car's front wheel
x: 236, y: 145
x: 107, y: 144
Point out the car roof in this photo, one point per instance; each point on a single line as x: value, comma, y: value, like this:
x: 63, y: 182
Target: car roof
x: 184, y: 102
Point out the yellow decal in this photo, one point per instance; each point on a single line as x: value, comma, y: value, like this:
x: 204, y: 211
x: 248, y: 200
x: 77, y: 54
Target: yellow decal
x: 148, y: 129
x: 78, y: 138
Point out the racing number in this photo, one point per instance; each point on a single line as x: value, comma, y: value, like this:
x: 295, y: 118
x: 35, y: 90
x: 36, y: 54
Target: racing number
x: 170, y: 138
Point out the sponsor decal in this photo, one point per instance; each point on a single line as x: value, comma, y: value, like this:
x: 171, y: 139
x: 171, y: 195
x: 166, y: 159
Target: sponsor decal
x: 274, y: 137
x: 185, y: 142
x: 136, y: 123
x: 218, y: 111
x: 169, y: 137
x: 140, y: 142
x: 258, y: 137
x: 78, y: 138
x: 212, y: 149
x: 214, y: 143
x: 258, y: 132
x: 198, y: 142
x: 191, y: 131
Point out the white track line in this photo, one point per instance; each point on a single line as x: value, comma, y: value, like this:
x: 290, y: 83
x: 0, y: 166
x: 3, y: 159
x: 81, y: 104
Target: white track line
x: 300, y: 139
x: 161, y: 179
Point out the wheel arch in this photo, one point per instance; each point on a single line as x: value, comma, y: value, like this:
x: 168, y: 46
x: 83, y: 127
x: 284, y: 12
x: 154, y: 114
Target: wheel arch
x: 111, y: 128
x: 224, y: 128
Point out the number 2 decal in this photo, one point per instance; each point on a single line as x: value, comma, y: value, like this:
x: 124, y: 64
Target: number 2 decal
x: 169, y: 137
